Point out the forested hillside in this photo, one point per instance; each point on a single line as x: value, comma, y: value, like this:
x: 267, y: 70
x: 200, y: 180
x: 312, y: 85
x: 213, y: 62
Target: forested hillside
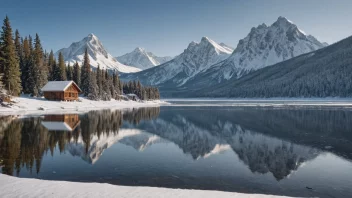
x: 25, y: 68
x: 322, y: 73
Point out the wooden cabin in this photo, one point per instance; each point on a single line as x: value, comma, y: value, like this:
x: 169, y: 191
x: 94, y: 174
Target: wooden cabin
x: 61, y: 91
x: 61, y: 122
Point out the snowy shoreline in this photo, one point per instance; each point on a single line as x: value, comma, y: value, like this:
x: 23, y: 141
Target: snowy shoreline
x: 24, y: 187
x: 38, y: 106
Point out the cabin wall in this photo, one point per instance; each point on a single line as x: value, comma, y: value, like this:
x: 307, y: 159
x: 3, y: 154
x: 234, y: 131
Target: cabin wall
x: 54, y: 95
x: 70, y: 94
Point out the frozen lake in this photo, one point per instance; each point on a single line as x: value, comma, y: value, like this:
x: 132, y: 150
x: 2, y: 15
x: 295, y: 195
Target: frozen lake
x: 294, y: 150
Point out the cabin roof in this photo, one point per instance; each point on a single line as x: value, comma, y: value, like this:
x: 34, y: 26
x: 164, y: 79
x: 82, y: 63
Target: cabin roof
x: 59, y: 86
x: 56, y: 126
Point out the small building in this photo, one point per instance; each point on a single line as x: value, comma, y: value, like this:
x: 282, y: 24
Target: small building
x: 61, y: 90
x: 133, y: 97
x: 67, y: 122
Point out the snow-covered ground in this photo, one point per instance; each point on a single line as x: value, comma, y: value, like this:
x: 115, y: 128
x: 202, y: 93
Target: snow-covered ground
x: 35, y: 106
x: 21, y: 187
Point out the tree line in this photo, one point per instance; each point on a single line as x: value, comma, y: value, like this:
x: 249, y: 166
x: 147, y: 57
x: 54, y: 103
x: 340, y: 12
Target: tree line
x: 25, y: 68
x: 24, y: 142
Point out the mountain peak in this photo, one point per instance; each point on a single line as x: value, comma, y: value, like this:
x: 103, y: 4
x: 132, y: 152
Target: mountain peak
x: 91, y: 35
x: 265, y: 46
x: 96, y: 52
x: 142, y: 59
x: 283, y: 20
x: 205, y: 39
x: 139, y: 49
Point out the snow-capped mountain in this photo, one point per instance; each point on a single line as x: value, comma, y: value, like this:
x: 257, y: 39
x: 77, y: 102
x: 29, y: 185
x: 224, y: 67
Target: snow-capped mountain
x: 252, y: 147
x: 227, y: 47
x: 97, y: 55
x: 267, y: 45
x: 263, y: 46
x: 142, y: 59
x: 196, y: 58
x: 138, y: 139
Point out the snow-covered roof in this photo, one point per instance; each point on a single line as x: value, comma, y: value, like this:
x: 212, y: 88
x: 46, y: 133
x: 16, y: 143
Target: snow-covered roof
x: 56, y: 126
x: 58, y: 85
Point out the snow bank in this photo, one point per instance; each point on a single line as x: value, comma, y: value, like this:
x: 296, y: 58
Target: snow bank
x: 21, y: 187
x: 29, y: 106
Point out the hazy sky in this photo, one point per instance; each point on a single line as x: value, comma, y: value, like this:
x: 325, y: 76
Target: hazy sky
x: 166, y: 27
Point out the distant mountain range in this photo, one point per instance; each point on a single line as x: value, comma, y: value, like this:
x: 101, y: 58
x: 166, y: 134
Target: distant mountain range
x: 322, y: 73
x: 198, y: 57
x: 142, y: 59
x: 97, y: 55
x: 135, y: 61
x: 300, y: 65
x: 213, y: 64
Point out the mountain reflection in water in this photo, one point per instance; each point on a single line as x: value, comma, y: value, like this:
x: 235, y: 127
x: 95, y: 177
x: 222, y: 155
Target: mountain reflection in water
x: 274, y: 141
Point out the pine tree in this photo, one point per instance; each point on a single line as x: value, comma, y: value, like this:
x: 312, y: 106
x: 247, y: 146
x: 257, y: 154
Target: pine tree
x: 99, y: 81
x: 38, y: 70
x: 25, y: 67
x: 56, y: 76
x: 19, y: 48
x: 1, y: 84
x: 51, y: 65
x: 9, y: 64
x: 62, y: 68
x: 106, y: 86
x: 30, y: 41
x: 117, y: 84
x: 92, y: 87
x: 76, y: 74
x: 69, y: 72
x: 85, y: 74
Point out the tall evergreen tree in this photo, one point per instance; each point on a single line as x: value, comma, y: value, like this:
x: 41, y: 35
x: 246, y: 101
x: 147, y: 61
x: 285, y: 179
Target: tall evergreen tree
x: 85, y: 74
x: 51, y: 65
x: 38, y: 71
x: 116, y: 83
x: 26, y: 64
x: 19, y: 48
x: 62, y: 68
x: 9, y: 64
x: 56, y: 76
x: 30, y: 42
x: 76, y: 74
x: 1, y: 84
x: 92, y: 87
x: 69, y: 72
x: 99, y: 81
x: 106, y: 86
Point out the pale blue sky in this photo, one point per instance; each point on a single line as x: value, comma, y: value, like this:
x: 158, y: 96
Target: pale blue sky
x: 166, y: 27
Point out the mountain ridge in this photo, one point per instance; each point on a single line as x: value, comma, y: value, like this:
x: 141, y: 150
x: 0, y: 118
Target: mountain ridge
x: 98, y: 55
x: 142, y: 59
x: 263, y: 46
x: 195, y: 58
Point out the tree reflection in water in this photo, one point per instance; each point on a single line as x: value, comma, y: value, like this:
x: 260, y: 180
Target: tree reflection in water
x: 266, y: 140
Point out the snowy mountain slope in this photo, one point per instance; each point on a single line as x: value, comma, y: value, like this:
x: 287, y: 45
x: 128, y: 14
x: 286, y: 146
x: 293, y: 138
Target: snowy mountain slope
x: 138, y: 139
x: 227, y: 47
x: 142, y: 59
x: 253, y: 148
x: 97, y: 55
x: 267, y: 45
x: 322, y: 73
x: 196, y: 58
x: 263, y: 46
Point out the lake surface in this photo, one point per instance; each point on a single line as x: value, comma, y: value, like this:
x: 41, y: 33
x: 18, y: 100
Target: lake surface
x: 282, y: 151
